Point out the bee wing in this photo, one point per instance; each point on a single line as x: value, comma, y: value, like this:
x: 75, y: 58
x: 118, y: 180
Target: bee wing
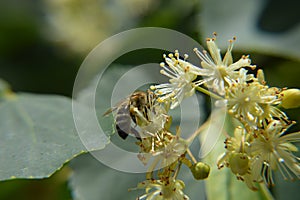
x: 109, y: 111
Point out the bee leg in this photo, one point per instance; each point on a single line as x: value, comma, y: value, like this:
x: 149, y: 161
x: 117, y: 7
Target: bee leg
x: 139, y: 116
x: 152, y: 144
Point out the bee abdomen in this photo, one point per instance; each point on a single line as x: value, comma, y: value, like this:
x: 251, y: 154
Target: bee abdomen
x: 121, y: 133
x: 124, y: 128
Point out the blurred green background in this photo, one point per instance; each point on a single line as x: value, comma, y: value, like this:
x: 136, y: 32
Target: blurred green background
x: 43, y: 43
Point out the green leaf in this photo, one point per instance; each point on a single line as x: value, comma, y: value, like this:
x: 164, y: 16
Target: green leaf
x: 222, y: 184
x: 92, y: 180
x: 38, y: 136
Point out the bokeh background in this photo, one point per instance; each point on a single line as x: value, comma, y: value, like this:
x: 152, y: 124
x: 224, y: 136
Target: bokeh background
x: 43, y: 43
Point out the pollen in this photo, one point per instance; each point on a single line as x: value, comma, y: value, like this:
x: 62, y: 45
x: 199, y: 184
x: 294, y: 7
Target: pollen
x: 247, y: 99
x: 152, y: 87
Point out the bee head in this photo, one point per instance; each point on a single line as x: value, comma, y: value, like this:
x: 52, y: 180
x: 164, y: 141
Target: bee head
x: 138, y: 99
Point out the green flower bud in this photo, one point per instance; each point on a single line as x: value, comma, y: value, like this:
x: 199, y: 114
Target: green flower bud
x: 200, y: 170
x: 290, y: 98
x: 239, y: 163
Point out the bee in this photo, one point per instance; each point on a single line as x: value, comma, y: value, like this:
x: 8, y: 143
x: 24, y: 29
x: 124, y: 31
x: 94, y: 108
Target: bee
x: 134, y: 108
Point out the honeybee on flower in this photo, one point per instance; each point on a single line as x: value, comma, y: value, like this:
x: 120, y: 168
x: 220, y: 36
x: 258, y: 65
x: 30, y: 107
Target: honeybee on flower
x: 259, y: 144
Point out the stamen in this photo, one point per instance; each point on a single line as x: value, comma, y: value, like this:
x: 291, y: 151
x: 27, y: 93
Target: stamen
x: 163, y: 72
x: 177, y: 54
x: 173, y: 73
x: 230, y: 47
x: 253, y: 67
x: 186, y: 69
x: 186, y: 56
x: 203, y: 56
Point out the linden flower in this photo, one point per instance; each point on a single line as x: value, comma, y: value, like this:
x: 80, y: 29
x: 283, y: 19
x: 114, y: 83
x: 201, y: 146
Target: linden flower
x: 170, y: 189
x: 152, y: 145
x: 217, y: 70
x: 237, y: 157
x: 236, y: 144
x: 181, y: 74
x: 156, y: 120
x: 271, y: 150
x: 171, y: 151
x: 165, y: 148
x: 252, y: 102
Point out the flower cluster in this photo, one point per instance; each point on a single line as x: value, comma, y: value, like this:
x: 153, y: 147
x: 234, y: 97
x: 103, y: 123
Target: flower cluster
x: 145, y: 115
x: 260, y: 143
x: 168, y: 151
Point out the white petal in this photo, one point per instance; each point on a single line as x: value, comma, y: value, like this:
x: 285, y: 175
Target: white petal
x: 214, y: 51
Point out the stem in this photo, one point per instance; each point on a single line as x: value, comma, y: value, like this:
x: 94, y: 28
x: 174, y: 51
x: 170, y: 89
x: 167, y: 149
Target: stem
x: 205, y: 91
x: 177, y: 170
x: 191, y: 155
x: 266, y: 191
x: 186, y: 161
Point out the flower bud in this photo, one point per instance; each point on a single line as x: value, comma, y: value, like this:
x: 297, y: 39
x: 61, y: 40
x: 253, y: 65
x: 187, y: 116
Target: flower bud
x: 261, y: 77
x: 290, y: 98
x: 200, y: 170
x: 238, y: 163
